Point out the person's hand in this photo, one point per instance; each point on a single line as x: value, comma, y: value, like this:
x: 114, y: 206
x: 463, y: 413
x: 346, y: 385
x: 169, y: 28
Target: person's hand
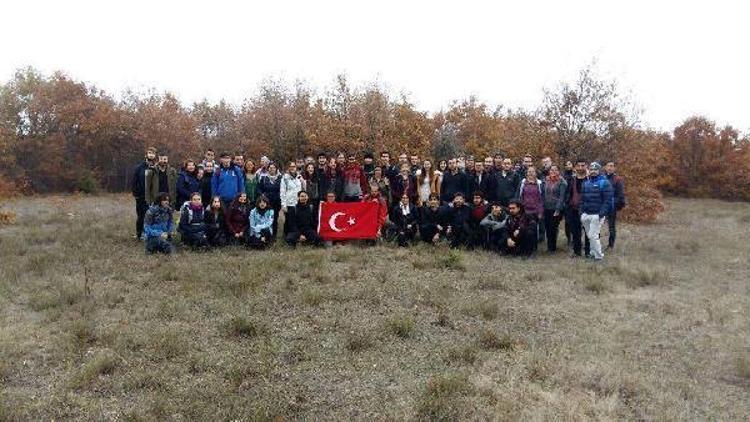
x: 408, y: 226
x: 448, y: 230
x: 556, y: 214
x: 516, y: 233
x: 379, y: 233
x: 439, y: 227
x: 435, y: 238
x: 511, y: 243
x: 302, y: 238
x: 283, y: 209
x: 237, y: 235
x: 164, y: 236
x: 263, y: 239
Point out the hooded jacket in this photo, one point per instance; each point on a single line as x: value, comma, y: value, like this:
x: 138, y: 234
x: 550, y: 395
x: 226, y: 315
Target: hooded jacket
x: 451, y: 184
x: 237, y: 216
x: 618, y: 186
x: 260, y: 220
x: 270, y: 186
x: 597, y: 196
x: 227, y: 182
x: 191, y: 221
x: 158, y: 220
x: 187, y: 184
x: 290, y: 186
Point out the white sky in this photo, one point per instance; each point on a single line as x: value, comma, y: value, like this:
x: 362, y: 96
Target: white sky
x: 678, y: 58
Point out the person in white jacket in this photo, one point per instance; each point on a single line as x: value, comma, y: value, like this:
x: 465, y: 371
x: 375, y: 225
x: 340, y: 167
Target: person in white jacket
x: 291, y: 184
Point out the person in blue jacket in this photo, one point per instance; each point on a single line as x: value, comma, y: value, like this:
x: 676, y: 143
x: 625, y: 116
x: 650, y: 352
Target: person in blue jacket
x: 596, y: 203
x: 227, y: 181
x: 187, y: 182
x: 157, y: 226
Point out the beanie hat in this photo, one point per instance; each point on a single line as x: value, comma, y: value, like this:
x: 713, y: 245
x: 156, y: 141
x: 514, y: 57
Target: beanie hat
x: 595, y: 166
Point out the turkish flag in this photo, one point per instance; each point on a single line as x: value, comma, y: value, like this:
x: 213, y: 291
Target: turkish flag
x: 348, y: 220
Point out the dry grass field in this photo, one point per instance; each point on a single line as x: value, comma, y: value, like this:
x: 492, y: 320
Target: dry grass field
x: 92, y: 329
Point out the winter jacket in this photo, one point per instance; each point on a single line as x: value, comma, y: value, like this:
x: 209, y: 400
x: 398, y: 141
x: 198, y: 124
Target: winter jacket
x: 458, y: 217
x: 475, y: 184
x: 597, y: 196
x: 270, y: 186
x: 534, y: 205
x: 138, y: 180
x: 478, y: 212
x: 521, y: 222
x: 332, y: 182
x: 237, y: 217
x: 187, y: 184
x: 227, y: 182
x: 555, y: 195
x: 400, y: 220
x: 158, y: 220
x: 502, y: 187
x: 491, y: 222
x: 429, y: 218
x: 400, y: 186
x: 251, y: 187
x: 153, y: 188
x: 312, y: 187
x: 260, y: 222
x: 191, y: 221
x: 618, y: 186
x: 451, y: 184
x: 355, y: 181
x: 290, y: 186
x: 301, y: 218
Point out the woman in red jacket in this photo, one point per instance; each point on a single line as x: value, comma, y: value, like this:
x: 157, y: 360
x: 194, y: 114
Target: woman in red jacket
x: 238, y: 218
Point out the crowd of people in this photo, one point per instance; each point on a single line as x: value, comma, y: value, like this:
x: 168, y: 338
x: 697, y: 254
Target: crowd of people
x: 495, y: 203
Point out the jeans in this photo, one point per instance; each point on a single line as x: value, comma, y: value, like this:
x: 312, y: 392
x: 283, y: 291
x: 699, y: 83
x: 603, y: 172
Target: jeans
x: 552, y: 228
x: 158, y: 245
x: 573, y: 220
x: 592, y: 224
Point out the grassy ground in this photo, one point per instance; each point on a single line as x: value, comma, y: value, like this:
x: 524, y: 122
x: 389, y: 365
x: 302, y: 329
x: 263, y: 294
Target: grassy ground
x: 91, y: 328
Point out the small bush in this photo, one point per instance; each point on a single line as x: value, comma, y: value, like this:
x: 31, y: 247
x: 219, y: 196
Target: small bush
x: 450, y: 261
x: 7, y: 217
x: 489, y: 340
x: 466, y: 354
x: 401, y: 326
x: 312, y: 297
x: 239, y: 326
x: 101, y: 364
x: 487, y: 310
x: 445, y: 398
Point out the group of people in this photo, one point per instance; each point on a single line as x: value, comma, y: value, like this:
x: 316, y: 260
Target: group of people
x: 494, y: 203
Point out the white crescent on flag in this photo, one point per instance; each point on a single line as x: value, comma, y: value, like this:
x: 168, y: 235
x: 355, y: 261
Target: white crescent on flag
x: 332, y: 221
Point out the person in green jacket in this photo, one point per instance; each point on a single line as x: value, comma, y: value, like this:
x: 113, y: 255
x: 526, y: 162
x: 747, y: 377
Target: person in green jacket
x: 251, y: 181
x: 161, y: 178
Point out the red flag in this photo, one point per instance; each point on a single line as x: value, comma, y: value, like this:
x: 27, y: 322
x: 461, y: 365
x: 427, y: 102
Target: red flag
x: 348, y: 220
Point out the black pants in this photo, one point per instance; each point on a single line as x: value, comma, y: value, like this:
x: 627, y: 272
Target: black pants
x: 216, y: 236
x: 256, y: 242
x: 292, y: 238
x: 552, y: 228
x: 496, y: 239
x: 426, y: 233
x: 573, y: 219
x: 612, y: 221
x: 195, y: 240
x: 405, y: 235
x: 276, y: 212
x: 141, y: 206
x: 525, y: 245
x: 158, y: 245
x: 459, y: 236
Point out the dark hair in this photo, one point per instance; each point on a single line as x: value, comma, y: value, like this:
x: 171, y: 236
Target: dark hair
x: 478, y: 193
x: 210, y: 149
x: 433, y: 196
x: 301, y: 192
x: 496, y: 204
x: 382, y: 153
x: 322, y: 154
x: 608, y: 161
x: 515, y: 201
x: 368, y: 155
x: 224, y: 154
x: 162, y: 196
x: 580, y: 160
x: 457, y: 194
x: 261, y: 198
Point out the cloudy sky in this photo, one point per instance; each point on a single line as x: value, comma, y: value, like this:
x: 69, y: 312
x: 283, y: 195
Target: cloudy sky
x: 677, y: 58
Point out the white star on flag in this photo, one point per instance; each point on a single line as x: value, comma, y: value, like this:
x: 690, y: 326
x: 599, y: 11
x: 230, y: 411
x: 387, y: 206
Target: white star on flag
x: 352, y: 221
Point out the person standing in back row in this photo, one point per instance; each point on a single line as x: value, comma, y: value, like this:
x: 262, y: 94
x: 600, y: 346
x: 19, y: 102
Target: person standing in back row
x: 162, y: 178
x: 573, y: 209
x: 138, y: 189
x: 618, y: 186
x: 227, y: 181
x: 596, y: 205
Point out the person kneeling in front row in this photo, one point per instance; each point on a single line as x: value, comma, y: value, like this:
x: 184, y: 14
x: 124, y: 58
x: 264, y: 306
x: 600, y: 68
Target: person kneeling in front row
x: 260, y: 231
x: 521, y: 228
x: 493, y: 225
x: 301, y: 222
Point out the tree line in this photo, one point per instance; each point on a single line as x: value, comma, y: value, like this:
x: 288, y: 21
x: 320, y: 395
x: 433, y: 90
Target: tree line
x: 58, y: 134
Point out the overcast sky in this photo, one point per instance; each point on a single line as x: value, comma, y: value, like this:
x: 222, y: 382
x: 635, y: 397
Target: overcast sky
x: 677, y: 58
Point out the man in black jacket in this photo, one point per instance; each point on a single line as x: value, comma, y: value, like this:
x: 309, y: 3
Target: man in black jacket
x: 454, y: 181
x: 301, y: 222
x: 619, y: 195
x: 432, y: 220
x: 138, y: 188
x: 503, y: 184
x: 459, y: 216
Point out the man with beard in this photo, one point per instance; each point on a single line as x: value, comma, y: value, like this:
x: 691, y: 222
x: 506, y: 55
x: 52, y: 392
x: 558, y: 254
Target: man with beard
x: 138, y: 189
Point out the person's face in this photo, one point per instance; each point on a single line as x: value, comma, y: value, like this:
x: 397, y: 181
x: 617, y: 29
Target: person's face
x: 527, y: 161
x: 554, y: 171
x: 488, y: 162
x: 609, y: 168
x: 239, y: 160
x: 427, y: 165
x: 546, y: 162
x: 150, y: 156
x: 209, y: 168
x: 210, y: 155
x: 405, y: 171
x: 405, y: 199
x: 498, y: 162
x: 531, y: 173
x: 581, y: 168
x: 272, y: 169
x: 507, y: 165
x: 310, y: 168
x: 458, y: 201
x: 163, y: 160
x: 322, y: 160
x: 341, y: 159
x: 249, y: 166
x: 414, y: 160
x: 216, y: 203
x: 264, y: 162
x: 190, y: 167
x: 452, y: 164
x: 199, y: 174
x: 496, y: 210
x: 402, y: 159
x: 513, y: 209
x: 593, y: 171
x: 568, y: 165
x: 195, y: 200
x: 477, y: 200
x: 368, y: 160
x: 330, y: 197
x: 434, y: 202
x: 385, y: 159
x: 351, y: 160
x: 443, y: 165
x: 242, y: 199
x: 164, y: 203
x: 309, y: 160
x: 225, y: 161
x: 303, y: 198
x: 292, y: 168
x: 478, y: 167
x: 262, y: 205
x: 333, y: 164
x: 378, y: 172
x: 374, y: 190
x: 470, y: 163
